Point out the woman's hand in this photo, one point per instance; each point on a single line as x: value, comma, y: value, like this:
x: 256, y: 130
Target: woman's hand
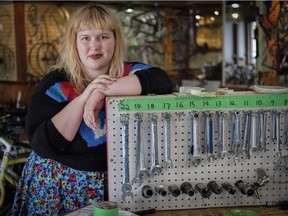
x: 93, y: 106
x: 94, y: 99
x: 102, y: 83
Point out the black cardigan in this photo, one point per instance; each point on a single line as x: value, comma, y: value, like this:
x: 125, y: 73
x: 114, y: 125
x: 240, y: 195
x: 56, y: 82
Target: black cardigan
x: 84, y: 152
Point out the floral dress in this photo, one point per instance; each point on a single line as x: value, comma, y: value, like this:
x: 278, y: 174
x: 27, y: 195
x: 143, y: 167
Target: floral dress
x: 60, y: 189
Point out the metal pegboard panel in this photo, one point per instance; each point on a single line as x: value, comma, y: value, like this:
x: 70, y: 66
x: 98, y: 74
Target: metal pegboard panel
x: 220, y: 170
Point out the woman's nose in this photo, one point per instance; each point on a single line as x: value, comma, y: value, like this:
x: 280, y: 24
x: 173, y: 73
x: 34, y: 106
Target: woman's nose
x: 95, y: 44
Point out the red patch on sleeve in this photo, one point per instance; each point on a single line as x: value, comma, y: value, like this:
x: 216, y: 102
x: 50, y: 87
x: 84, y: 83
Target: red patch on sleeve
x: 68, y: 90
x: 127, y: 69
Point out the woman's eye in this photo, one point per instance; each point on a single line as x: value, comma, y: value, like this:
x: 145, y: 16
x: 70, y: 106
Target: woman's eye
x: 85, y: 38
x: 103, y: 37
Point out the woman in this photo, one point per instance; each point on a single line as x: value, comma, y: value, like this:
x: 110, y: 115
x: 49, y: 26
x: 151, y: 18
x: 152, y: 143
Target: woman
x: 66, y: 116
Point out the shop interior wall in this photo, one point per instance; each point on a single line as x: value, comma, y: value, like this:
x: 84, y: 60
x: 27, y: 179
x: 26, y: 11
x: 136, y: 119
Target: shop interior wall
x: 36, y: 28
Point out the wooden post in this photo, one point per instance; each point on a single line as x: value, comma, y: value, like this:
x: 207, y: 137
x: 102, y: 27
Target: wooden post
x: 167, y: 44
x: 21, y: 60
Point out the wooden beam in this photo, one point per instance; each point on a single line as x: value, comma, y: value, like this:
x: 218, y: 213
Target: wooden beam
x: 21, y: 60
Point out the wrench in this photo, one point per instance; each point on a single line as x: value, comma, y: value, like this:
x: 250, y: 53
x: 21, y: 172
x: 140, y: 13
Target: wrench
x: 286, y: 127
x: 273, y: 125
x: 155, y: 167
x: 196, y: 146
x: 222, y: 136
x: 262, y: 116
x: 143, y: 173
x: 126, y: 187
x: 167, y: 142
x: 236, y: 134
x: 138, y: 178
x: 246, y: 135
x: 277, y: 133
x: 253, y: 137
x: 209, y: 135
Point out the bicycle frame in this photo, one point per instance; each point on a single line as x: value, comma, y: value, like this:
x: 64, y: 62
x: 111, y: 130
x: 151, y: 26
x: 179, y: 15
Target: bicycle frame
x: 6, y: 172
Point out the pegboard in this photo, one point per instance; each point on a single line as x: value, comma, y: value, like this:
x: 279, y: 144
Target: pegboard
x: 221, y: 170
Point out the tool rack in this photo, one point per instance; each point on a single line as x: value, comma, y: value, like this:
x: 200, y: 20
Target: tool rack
x: 226, y: 169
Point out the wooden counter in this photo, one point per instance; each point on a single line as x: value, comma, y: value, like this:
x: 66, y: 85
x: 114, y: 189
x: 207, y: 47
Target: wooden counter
x: 260, y: 210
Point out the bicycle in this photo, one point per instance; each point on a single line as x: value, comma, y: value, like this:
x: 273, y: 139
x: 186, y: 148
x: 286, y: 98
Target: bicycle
x: 14, y: 153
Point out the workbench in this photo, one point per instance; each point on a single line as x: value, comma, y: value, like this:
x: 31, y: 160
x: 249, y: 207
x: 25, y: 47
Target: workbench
x: 260, y: 210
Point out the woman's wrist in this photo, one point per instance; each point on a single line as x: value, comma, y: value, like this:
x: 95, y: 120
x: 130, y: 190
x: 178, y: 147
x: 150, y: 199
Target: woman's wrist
x: 99, y: 94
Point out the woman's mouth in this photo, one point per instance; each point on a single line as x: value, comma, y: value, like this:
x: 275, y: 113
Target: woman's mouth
x: 95, y: 56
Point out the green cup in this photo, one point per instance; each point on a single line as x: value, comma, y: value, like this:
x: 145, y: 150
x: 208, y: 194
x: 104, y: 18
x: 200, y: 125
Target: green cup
x: 105, y: 209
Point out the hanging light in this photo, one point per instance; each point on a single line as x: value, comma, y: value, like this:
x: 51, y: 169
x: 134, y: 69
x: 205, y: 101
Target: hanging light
x: 129, y: 8
x: 235, y: 5
x: 235, y: 15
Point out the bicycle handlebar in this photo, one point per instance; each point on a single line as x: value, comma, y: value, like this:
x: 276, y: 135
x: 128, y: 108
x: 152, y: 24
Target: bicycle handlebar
x: 12, y: 125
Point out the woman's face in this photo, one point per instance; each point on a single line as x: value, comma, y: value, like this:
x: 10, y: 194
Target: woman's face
x: 96, y: 49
